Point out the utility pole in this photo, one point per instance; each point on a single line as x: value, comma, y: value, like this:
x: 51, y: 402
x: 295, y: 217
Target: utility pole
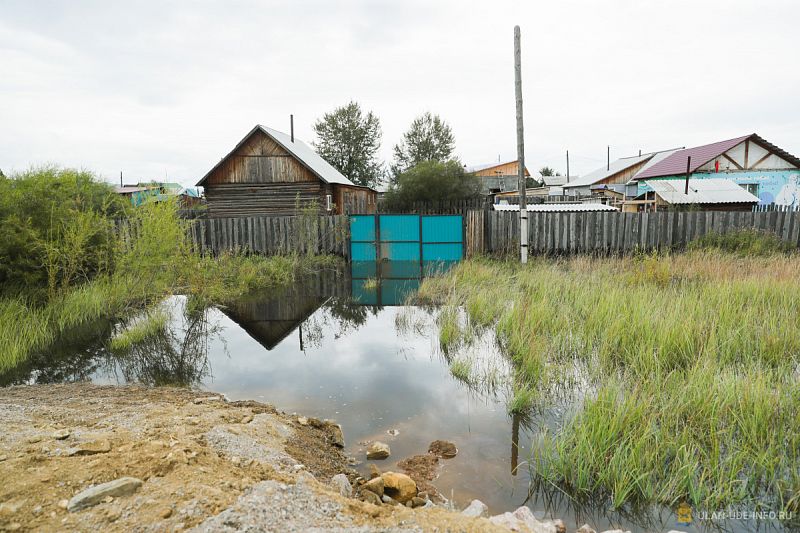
x: 688, y: 173
x: 608, y: 157
x: 567, y: 166
x: 523, y: 206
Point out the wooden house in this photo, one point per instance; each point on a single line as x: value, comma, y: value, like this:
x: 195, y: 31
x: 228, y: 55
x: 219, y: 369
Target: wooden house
x: 272, y: 173
x: 497, y: 177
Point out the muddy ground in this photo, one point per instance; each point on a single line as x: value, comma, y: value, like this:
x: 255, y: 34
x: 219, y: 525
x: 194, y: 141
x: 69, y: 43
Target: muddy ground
x: 205, y: 463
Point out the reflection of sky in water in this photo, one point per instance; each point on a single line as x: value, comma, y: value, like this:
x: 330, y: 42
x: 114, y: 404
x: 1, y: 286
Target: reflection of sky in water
x: 374, y: 377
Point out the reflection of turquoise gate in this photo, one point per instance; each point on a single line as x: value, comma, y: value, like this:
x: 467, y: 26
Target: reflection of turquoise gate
x: 398, y: 250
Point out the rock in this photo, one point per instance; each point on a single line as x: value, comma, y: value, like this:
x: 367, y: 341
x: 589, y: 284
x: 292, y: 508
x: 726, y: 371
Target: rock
x: 560, y: 526
x: 418, y: 502
x: 393, y: 432
x: 398, y: 486
x: 303, y: 421
x: 615, y: 531
x: 443, y: 448
x: 11, y: 507
x: 374, y: 485
x: 247, y: 419
x: 3, y: 458
x: 206, y: 399
x: 63, y: 503
x: 476, y: 509
x: 14, y: 526
x: 335, y: 431
x: 374, y: 471
x: 342, y: 484
x: 371, y: 497
x: 506, y: 520
x: 166, y: 513
x: 389, y: 500
x: 61, y: 434
x: 378, y: 450
x: 585, y: 528
x: 94, y: 495
x: 525, y: 515
x: 90, y: 448
x: 34, y: 439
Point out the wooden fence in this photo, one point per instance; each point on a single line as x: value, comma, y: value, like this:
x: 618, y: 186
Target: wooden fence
x: 497, y: 232
x: 443, y: 207
x: 273, y: 235
x: 616, y: 233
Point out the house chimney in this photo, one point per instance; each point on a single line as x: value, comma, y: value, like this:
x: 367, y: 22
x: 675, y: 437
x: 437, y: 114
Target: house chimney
x: 291, y: 126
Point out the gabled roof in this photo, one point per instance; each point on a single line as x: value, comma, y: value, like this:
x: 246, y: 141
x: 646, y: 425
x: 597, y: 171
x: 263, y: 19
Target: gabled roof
x: 675, y: 164
x: 607, y: 171
x: 300, y: 150
x: 555, y: 181
x: 487, y: 166
x: 702, y: 191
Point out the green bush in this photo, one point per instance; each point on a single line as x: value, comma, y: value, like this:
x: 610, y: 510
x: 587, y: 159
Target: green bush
x: 55, y: 229
x: 432, y: 181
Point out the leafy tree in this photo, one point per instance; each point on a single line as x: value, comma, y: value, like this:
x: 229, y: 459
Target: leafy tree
x: 432, y: 181
x: 428, y: 139
x: 546, y: 171
x: 349, y: 140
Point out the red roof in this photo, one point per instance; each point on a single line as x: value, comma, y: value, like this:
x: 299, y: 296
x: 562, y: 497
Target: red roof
x: 675, y: 164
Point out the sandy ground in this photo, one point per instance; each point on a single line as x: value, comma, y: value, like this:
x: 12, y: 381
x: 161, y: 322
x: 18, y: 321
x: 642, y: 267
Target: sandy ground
x: 205, y: 463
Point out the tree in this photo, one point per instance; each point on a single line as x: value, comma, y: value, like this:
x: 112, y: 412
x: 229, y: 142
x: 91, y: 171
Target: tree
x: 546, y: 171
x: 349, y: 140
x: 432, y: 181
x: 428, y: 139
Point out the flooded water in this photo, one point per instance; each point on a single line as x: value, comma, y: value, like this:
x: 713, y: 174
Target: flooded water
x: 339, y: 347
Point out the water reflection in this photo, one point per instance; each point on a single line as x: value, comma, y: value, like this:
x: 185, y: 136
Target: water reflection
x: 315, y: 348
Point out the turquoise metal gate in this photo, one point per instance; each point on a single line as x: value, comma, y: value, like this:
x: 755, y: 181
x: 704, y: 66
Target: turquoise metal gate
x: 398, y: 250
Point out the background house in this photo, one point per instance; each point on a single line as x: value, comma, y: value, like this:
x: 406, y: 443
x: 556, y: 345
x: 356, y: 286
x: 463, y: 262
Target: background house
x: 272, y: 173
x: 709, y: 194
x: 768, y: 172
x: 497, y: 177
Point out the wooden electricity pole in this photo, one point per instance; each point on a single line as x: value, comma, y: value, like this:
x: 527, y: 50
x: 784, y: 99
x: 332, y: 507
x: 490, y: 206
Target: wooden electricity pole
x: 523, y: 206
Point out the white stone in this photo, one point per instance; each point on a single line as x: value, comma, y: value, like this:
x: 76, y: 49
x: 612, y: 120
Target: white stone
x: 476, y: 509
x: 94, y: 495
x: 343, y: 485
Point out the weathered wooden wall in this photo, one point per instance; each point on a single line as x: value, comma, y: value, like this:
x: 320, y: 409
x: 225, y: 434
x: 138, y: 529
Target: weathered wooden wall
x: 273, y: 235
x: 616, y: 233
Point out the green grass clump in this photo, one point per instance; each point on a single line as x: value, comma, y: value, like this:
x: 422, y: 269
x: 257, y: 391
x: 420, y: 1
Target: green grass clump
x: 461, y: 370
x: 692, y: 389
x: 748, y: 242
x: 148, y: 326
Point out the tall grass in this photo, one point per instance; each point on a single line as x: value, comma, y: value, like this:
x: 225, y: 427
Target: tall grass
x: 693, y: 370
x: 151, y: 260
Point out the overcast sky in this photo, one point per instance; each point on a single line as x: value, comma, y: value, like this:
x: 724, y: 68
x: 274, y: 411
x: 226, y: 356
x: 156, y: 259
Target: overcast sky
x: 165, y: 89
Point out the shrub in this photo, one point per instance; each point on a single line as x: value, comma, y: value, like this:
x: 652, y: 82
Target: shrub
x: 744, y: 242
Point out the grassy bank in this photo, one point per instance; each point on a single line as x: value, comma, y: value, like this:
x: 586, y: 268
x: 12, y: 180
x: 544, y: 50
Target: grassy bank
x: 688, y: 369
x: 93, y: 264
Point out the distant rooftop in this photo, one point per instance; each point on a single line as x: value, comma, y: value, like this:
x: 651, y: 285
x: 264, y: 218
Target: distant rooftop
x: 702, y: 191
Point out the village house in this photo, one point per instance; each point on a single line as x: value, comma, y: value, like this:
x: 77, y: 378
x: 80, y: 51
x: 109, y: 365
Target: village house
x: 709, y: 194
x: 770, y: 173
x: 497, y: 177
x: 608, y: 184
x: 272, y: 173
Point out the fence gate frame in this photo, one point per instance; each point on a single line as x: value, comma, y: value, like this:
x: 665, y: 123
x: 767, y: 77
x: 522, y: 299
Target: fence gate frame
x: 371, y: 243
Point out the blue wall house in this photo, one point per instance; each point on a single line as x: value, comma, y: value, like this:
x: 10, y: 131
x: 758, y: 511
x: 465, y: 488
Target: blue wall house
x: 770, y: 173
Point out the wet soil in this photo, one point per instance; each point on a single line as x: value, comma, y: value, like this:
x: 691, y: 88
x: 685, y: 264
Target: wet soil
x: 198, y: 456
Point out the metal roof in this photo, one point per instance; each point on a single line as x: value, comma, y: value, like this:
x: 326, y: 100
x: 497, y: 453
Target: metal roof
x: 127, y: 189
x: 556, y: 208
x: 702, y: 191
x: 300, y: 150
x: 675, y: 164
x: 555, y: 181
x: 607, y: 171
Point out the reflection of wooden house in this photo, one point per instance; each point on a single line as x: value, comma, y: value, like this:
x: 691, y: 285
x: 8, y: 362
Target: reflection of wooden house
x: 272, y: 173
x: 271, y: 317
